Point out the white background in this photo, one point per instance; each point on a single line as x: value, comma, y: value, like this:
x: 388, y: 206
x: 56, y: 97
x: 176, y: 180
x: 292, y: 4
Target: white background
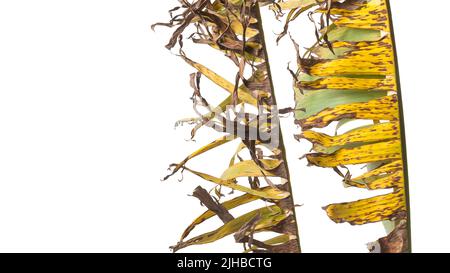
x: 88, y: 100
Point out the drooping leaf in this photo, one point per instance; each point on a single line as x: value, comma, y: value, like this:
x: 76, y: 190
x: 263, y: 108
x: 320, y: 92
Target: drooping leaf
x: 393, y: 180
x: 367, y: 134
x: 230, y: 204
x: 390, y: 150
x: 275, y: 195
x: 267, y: 217
x: 216, y: 143
x: 347, y: 83
x: 250, y: 168
x: 315, y: 101
x: 368, y: 210
x: 385, y: 108
x: 352, y: 34
x: 220, y: 81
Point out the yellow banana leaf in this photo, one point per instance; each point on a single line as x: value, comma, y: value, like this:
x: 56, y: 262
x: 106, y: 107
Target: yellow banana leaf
x: 267, y: 217
x: 337, y: 81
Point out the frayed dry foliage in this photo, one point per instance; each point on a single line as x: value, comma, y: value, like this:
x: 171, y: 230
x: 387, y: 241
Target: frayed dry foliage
x: 233, y: 27
x: 349, y: 74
